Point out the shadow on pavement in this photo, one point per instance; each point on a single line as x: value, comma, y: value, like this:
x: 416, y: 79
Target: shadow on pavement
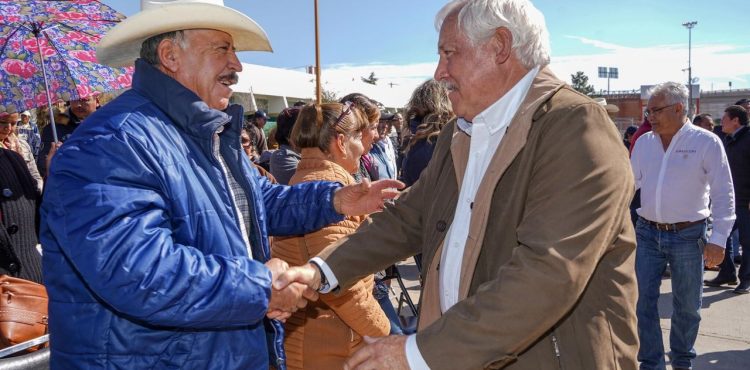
x: 408, y: 272
x: 725, y: 360
x: 665, y: 300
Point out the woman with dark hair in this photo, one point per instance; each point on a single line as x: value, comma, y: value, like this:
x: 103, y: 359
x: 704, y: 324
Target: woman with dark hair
x: 428, y: 111
x: 19, y: 219
x: 627, y: 136
x: 284, y: 160
x: 429, y: 97
x: 325, y: 333
x: 9, y: 140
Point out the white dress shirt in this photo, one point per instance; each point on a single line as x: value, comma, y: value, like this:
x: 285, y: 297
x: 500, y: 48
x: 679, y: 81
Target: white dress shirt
x: 678, y: 184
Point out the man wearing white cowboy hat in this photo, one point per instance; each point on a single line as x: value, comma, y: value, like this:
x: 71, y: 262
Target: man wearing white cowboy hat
x: 155, y: 225
x: 610, y: 108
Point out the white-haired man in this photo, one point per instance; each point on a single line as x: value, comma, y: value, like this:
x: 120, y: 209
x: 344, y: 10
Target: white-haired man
x: 679, y: 168
x: 155, y: 225
x: 521, y: 215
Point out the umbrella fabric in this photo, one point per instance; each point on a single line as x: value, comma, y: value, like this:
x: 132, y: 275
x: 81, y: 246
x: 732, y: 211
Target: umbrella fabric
x: 68, y: 33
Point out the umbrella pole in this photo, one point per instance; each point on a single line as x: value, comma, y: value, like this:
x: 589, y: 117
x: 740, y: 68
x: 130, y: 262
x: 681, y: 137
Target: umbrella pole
x: 46, y: 84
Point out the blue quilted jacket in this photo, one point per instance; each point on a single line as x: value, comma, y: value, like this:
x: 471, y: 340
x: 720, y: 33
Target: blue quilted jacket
x: 144, y: 261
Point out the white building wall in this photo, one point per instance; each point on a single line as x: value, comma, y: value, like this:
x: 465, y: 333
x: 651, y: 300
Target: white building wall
x: 279, y: 88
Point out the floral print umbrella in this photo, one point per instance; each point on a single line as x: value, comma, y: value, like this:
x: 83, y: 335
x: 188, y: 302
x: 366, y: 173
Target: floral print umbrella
x: 48, y: 52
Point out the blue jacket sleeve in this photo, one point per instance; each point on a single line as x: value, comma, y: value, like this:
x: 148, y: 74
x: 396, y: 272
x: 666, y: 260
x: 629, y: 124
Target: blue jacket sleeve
x: 299, y: 209
x: 113, y: 226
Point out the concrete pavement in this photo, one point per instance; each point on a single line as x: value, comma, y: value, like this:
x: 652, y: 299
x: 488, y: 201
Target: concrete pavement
x: 724, y: 337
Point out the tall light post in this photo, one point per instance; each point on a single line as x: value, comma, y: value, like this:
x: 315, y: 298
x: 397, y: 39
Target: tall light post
x: 689, y: 26
x: 318, y: 89
x: 611, y: 72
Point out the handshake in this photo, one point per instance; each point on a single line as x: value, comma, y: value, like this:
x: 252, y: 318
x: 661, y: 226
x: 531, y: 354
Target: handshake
x: 292, y: 288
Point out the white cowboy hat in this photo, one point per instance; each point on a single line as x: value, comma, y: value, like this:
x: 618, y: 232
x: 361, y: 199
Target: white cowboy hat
x: 611, y: 108
x: 122, y: 44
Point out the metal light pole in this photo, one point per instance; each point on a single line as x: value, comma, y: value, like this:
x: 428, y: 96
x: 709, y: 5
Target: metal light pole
x: 689, y: 26
x: 318, y: 93
x: 611, y: 72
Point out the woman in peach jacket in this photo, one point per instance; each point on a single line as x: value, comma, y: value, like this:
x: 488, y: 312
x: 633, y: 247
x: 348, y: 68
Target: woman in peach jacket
x: 325, y: 333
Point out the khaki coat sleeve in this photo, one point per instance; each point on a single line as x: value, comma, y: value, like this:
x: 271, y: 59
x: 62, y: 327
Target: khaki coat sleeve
x: 356, y: 306
x: 392, y: 235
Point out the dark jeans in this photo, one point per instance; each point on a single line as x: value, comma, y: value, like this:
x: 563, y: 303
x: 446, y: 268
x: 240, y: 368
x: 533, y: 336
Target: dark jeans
x: 381, y: 294
x: 742, y: 225
x: 683, y: 250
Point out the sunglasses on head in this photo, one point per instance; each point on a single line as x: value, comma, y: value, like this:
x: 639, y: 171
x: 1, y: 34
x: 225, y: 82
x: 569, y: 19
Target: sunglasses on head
x: 348, y: 108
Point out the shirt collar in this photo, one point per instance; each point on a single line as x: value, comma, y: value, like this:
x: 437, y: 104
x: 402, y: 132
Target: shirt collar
x: 737, y: 130
x: 506, y: 106
x: 687, y: 126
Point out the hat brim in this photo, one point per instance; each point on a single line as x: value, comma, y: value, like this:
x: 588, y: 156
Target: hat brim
x: 611, y: 108
x: 121, y: 46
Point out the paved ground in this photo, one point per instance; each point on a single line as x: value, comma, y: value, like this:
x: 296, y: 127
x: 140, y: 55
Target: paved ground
x: 724, y: 336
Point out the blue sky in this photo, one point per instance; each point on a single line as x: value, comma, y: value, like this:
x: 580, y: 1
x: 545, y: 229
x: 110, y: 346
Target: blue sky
x: 396, y: 38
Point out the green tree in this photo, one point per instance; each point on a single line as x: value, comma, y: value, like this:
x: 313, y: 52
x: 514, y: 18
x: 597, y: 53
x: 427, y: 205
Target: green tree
x: 372, y: 80
x: 580, y: 82
x: 329, y: 96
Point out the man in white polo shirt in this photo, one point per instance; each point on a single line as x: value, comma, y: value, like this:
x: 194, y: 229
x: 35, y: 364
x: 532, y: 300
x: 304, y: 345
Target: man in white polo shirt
x: 678, y: 168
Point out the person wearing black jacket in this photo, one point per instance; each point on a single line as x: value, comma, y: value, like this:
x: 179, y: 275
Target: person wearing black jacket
x: 19, y: 219
x: 737, y: 145
x: 65, y: 124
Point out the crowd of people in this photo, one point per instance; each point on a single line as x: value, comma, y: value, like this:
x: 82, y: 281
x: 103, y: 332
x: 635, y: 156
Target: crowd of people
x: 171, y: 232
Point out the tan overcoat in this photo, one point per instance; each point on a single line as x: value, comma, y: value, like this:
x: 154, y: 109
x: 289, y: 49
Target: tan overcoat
x: 548, y: 277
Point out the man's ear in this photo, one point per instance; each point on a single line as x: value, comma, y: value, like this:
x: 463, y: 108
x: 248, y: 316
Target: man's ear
x: 502, y: 42
x: 168, y: 54
x: 679, y: 108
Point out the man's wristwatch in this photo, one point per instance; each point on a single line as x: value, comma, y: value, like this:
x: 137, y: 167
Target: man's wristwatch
x: 324, y: 287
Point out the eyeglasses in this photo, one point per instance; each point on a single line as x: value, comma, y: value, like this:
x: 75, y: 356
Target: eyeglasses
x: 651, y: 112
x: 3, y: 124
x: 348, y: 108
x: 83, y: 101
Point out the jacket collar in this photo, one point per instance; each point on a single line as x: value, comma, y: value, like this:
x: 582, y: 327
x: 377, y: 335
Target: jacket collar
x: 186, y: 110
x: 313, y: 159
x: 497, y: 115
x: 737, y: 134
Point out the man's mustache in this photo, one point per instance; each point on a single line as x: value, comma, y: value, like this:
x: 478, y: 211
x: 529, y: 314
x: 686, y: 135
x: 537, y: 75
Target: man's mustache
x: 231, y: 77
x: 450, y: 86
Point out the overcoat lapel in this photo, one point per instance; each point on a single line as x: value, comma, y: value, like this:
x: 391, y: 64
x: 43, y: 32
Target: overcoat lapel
x: 543, y: 87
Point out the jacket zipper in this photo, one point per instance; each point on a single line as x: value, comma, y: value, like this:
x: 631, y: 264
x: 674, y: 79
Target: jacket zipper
x: 216, y: 153
x: 555, y: 344
x: 215, y: 142
x: 279, y: 361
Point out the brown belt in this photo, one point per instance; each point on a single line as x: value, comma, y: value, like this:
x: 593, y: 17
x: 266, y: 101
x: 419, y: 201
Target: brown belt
x: 677, y: 226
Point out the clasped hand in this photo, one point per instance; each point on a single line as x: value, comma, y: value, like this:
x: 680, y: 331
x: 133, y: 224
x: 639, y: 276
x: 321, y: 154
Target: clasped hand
x: 287, y: 297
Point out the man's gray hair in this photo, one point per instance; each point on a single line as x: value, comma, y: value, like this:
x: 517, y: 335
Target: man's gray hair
x: 673, y: 92
x: 149, y: 47
x: 478, y: 19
